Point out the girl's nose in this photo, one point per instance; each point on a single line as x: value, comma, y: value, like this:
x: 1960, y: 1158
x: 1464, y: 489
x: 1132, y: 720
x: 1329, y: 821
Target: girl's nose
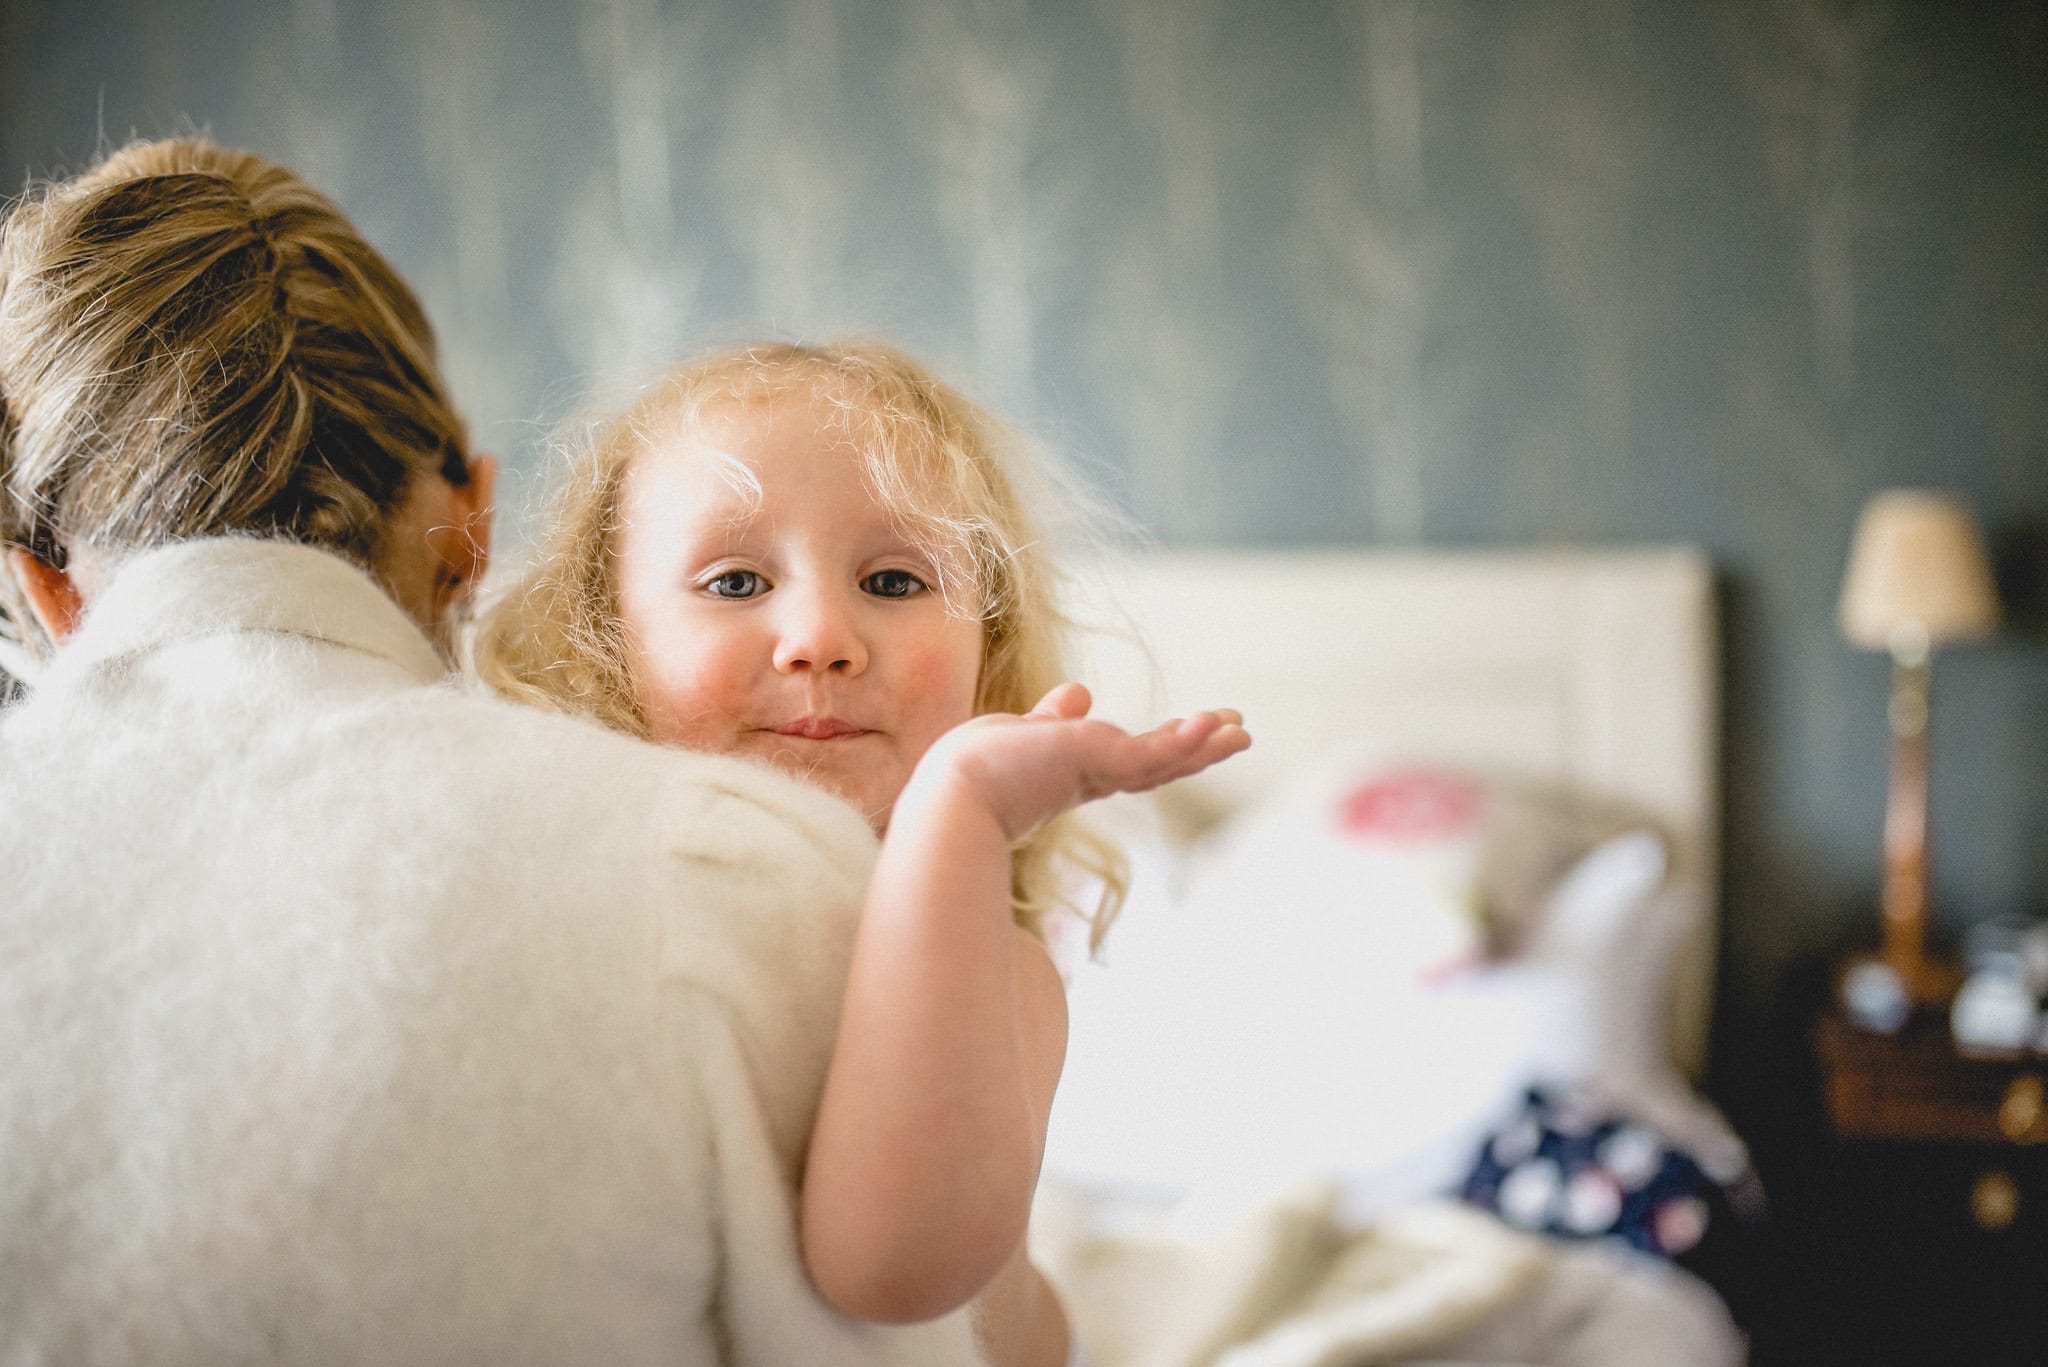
x: 818, y: 633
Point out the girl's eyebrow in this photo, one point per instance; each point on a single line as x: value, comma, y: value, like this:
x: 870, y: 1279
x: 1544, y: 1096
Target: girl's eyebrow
x: 897, y: 543
x: 729, y: 511
x: 723, y: 536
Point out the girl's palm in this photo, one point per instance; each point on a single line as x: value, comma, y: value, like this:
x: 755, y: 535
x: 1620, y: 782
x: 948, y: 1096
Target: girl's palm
x: 1028, y: 769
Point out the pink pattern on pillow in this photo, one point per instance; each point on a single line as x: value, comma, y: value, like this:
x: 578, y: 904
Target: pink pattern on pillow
x: 1411, y: 806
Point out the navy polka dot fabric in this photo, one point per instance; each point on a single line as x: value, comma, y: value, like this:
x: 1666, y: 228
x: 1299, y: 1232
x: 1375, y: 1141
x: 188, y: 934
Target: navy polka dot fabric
x: 1565, y: 1167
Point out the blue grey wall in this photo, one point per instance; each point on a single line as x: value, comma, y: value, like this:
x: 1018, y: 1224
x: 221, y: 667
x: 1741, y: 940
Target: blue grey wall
x: 1450, y: 272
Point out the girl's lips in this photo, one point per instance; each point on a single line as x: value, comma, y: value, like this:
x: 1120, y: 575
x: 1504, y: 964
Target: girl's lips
x: 819, y: 728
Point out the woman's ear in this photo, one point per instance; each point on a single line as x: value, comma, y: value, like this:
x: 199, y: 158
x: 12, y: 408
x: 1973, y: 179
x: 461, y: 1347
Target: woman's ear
x: 477, y: 505
x: 459, y: 535
x: 53, y: 597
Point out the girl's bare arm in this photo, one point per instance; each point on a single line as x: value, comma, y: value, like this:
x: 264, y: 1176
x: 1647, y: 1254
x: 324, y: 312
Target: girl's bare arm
x: 921, y: 1169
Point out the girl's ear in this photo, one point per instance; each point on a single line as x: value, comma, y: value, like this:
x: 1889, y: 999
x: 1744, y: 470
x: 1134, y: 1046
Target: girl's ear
x: 52, y: 596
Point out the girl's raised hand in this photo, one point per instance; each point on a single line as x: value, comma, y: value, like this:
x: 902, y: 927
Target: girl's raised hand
x: 1028, y: 769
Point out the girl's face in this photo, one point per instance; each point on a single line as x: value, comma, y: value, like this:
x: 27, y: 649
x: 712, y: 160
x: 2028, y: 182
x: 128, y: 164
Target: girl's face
x: 799, y: 626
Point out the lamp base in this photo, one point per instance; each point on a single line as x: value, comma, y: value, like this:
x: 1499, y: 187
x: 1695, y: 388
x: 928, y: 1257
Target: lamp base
x: 1936, y: 983
x: 1903, y: 920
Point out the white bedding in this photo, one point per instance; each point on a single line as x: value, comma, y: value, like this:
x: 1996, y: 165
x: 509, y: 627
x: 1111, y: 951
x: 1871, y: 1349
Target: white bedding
x: 1249, y: 1146
x: 1285, y: 1284
x: 1251, y: 1042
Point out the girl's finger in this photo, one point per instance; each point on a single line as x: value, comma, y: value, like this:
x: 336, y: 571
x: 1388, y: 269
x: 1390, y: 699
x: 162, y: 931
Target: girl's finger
x: 1193, y: 750
x: 1204, y: 724
x: 1229, y: 739
x: 1063, y: 702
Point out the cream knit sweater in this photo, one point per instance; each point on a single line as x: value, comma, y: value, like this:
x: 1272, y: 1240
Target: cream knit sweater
x: 347, y: 1016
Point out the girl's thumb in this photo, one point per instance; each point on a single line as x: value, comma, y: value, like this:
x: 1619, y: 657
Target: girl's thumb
x: 1063, y: 703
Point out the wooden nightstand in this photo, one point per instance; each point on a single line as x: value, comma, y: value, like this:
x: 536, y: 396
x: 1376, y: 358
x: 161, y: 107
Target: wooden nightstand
x: 1916, y: 1086
x: 1933, y: 1198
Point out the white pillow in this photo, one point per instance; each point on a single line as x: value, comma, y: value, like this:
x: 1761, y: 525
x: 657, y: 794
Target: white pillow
x: 1446, y: 866
x: 1270, y: 1025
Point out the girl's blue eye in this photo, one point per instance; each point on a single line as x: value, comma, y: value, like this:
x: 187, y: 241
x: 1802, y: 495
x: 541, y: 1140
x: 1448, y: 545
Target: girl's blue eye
x: 893, y: 584
x: 734, y: 584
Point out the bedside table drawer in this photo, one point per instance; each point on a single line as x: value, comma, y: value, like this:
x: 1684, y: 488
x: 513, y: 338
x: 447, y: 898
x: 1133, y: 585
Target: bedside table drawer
x: 1916, y: 1087
x: 1925, y: 1240
x: 1935, y: 1254
x: 1963, y: 1199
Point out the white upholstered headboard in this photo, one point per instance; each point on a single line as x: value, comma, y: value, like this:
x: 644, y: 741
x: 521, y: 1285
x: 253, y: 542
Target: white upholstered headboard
x: 1595, y: 668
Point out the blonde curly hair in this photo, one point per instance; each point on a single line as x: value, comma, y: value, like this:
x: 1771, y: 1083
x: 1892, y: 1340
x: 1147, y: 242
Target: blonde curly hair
x: 947, y: 469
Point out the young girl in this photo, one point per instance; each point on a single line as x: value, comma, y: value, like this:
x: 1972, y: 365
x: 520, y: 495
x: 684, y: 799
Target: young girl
x: 817, y: 556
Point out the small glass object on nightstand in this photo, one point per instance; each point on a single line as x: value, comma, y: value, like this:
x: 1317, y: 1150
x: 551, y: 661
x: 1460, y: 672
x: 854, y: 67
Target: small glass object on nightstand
x: 1875, y: 997
x: 1995, y: 1012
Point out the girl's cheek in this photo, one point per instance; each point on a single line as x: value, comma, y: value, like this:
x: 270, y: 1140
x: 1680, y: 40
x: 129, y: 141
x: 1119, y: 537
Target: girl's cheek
x: 688, y: 694
x: 946, y: 674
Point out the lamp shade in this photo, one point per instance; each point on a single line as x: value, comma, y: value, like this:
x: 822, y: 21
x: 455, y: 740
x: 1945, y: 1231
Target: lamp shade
x: 1918, y: 574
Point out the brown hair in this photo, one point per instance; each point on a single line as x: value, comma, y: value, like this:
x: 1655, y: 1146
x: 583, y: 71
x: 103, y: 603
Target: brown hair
x: 942, y: 463
x: 195, y: 342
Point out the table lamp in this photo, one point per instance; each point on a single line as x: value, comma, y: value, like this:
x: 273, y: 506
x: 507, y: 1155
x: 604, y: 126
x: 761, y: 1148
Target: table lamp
x: 1918, y: 578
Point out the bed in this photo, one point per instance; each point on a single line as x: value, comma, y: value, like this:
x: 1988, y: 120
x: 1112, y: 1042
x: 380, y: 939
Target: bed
x: 1471, y: 853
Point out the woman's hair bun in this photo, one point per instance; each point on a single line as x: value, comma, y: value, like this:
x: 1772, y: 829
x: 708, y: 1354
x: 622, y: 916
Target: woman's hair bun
x: 195, y: 342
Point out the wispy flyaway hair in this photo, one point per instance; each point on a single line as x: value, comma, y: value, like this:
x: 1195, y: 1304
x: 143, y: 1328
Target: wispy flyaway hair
x: 942, y: 464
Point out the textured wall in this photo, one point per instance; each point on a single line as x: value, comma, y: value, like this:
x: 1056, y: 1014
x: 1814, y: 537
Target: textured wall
x: 1449, y: 272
